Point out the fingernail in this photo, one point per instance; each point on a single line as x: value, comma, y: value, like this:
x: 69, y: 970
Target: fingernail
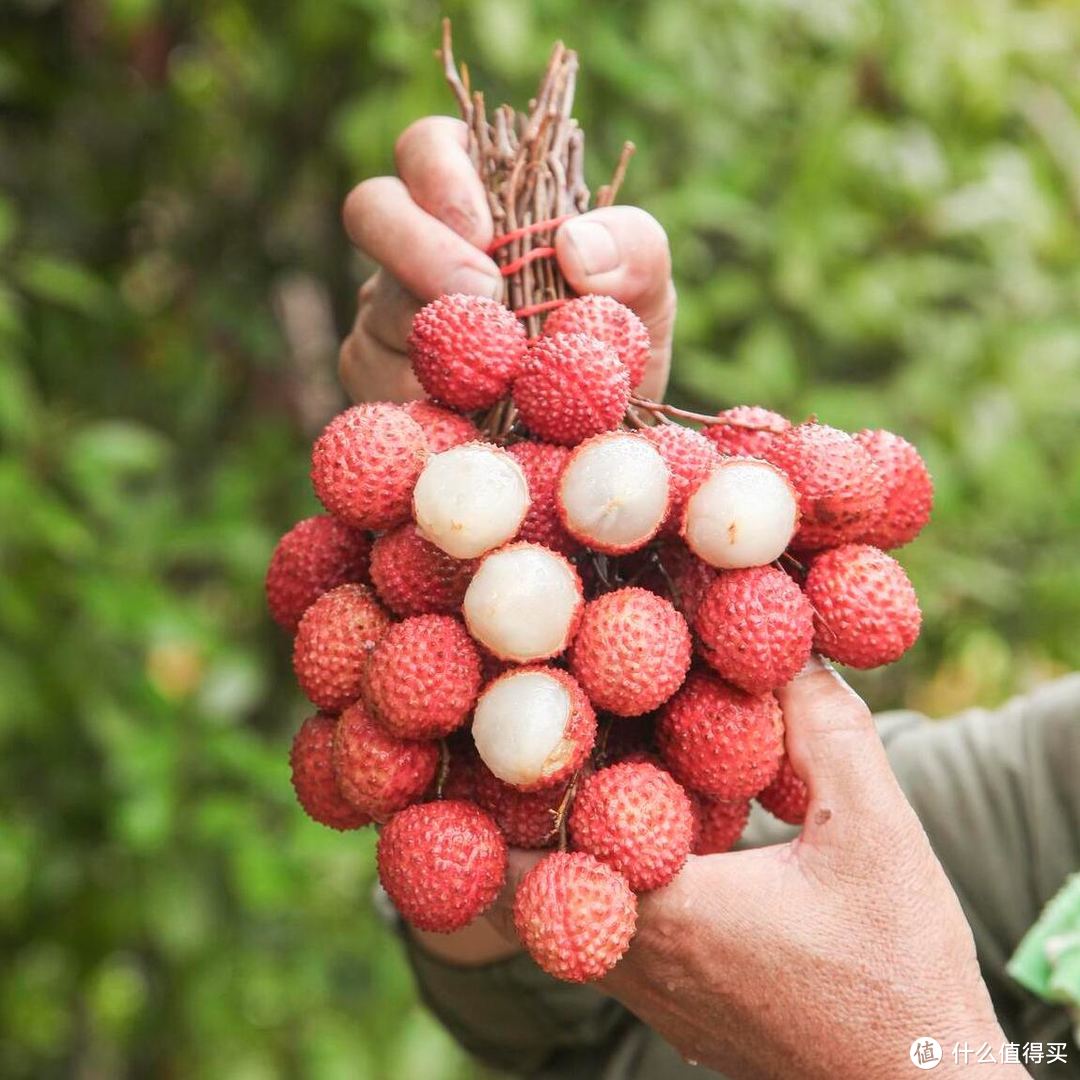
x: 595, y: 247
x: 475, y: 283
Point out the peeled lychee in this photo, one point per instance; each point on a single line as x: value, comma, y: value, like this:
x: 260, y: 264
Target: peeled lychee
x: 524, y: 603
x: 313, y: 776
x: 837, y: 482
x: 466, y: 350
x: 719, y: 741
x: 614, y: 492
x: 718, y: 824
x: 742, y: 514
x: 423, y: 677
x: 603, y: 317
x: 571, y: 386
x: 332, y: 644
x: 866, y: 612
x: 786, y: 797
x: 746, y: 430
x: 443, y: 427
x: 313, y: 557
x: 414, y: 577
x: 470, y: 499
x: 527, y: 818
x: 442, y: 864
x: 543, y: 464
x: 909, y: 491
x: 379, y: 773
x: 533, y: 727
x: 365, y: 463
x: 634, y: 817
x: 631, y: 652
x: 755, y: 628
x: 689, y: 457
x: 574, y: 915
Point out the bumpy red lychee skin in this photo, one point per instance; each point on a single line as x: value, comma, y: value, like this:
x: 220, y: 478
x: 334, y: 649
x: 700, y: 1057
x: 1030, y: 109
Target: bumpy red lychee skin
x: 866, y: 612
x: 720, y: 741
x: 603, y: 317
x: 365, y: 464
x: 378, y: 773
x: 527, y: 818
x: 574, y: 915
x: 313, y: 779
x: 787, y: 796
x: 635, y: 818
x: 837, y: 483
x: 442, y: 864
x: 748, y: 430
x: 690, y: 457
x: 443, y: 428
x: 332, y: 644
x: 423, y: 676
x: 755, y: 628
x: 543, y: 464
x: 466, y: 350
x: 718, y: 824
x: 909, y: 490
x: 414, y: 577
x: 313, y: 557
x: 632, y: 651
x: 571, y: 386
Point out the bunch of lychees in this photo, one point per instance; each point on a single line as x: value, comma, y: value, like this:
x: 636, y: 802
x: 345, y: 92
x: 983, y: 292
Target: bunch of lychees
x: 540, y: 613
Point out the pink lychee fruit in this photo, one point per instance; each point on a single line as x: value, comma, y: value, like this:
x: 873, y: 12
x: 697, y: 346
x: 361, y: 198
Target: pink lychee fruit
x: 443, y: 427
x: 604, y: 318
x: 787, y: 796
x: 746, y: 430
x: 909, y: 490
x: 689, y: 457
x: 313, y: 779
x: 414, y: 577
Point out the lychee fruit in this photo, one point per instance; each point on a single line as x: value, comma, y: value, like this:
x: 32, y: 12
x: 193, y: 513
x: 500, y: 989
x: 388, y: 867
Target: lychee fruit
x: 689, y: 457
x: 313, y: 557
x: 442, y: 864
x: 866, y: 612
x: 543, y: 464
x: 423, y: 677
x: 470, y: 499
x: 614, y: 492
x: 414, y: 577
x: 742, y: 514
x: 604, y: 318
x: 571, y: 386
x: 332, y: 644
x: 575, y: 915
x: 466, y: 350
x: 524, y: 603
x: 718, y: 824
x: 720, y: 741
x: 313, y: 777
x: 443, y: 427
x: 533, y: 727
x: 746, y: 430
x: 837, y: 482
x: 755, y: 628
x: 634, y: 817
x: 787, y: 796
x: 377, y: 772
x: 909, y: 490
x: 365, y: 464
x: 632, y: 651
x: 527, y: 818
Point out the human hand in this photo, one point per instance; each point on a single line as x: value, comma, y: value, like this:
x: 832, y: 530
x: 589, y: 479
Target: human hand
x: 427, y: 227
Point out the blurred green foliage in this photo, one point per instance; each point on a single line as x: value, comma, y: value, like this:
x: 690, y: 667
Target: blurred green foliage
x: 874, y: 210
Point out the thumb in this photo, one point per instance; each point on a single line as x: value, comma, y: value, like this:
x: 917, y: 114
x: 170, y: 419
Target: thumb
x: 834, y: 747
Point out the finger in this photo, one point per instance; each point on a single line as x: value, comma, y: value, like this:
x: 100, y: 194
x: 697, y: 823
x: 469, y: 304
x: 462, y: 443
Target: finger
x: 387, y: 311
x: 501, y: 913
x: 370, y: 371
x: 422, y: 253
x: 433, y: 161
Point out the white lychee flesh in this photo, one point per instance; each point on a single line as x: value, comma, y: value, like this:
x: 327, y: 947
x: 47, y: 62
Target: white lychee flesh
x: 523, y: 603
x: 519, y: 727
x: 470, y: 499
x: 614, y: 492
x: 742, y: 514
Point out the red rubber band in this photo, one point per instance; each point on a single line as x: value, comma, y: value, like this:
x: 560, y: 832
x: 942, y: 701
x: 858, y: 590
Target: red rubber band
x: 526, y: 230
x: 528, y: 257
x: 545, y: 305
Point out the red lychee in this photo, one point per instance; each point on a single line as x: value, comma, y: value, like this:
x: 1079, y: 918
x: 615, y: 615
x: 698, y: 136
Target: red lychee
x: 313, y: 776
x: 719, y: 824
x: 909, y: 490
x: 365, y: 464
x: 332, y: 644
x: 747, y: 430
x: 689, y: 457
x: 786, y: 797
x: 542, y: 464
x: 443, y: 427
x: 866, y: 612
x: 603, y: 317
x: 313, y: 557
x: 466, y: 350
x: 414, y: 577
x: 527, y: 818
x: 574, y: 915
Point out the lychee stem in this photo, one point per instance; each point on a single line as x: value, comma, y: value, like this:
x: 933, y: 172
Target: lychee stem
x: 662, y: 411
x: 444, y: 768
x: 563, y: 812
